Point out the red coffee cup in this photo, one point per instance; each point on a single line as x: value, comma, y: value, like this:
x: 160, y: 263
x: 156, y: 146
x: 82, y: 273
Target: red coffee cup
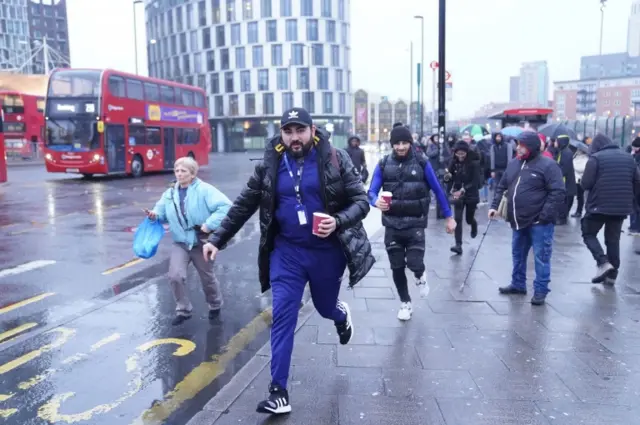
x: 386, y: 197
x: 317, y: 218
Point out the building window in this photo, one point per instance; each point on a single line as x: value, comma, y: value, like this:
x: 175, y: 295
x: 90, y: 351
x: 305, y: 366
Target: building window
x: 265, y: 8
x: 193, y: 35
x: 345, y: 34
x: 272, y: 30
x: 308, y: 102
x: 323, y: 79
x: 233, y: 105
x: 197, y: 63
x: 219, y: 106
x: 231, y: 13
x: 240, y: 60
x: 235, y: 35
x: 318, y: 54
x: 283, y: 79
x: 215, y: 83
x: 250, y: 104
x: 303, y: 79
x: 247, y: 9
x: 185, y: 64
x: 263, y: 79
x: 252, y: 32
x: 331, y: 32
x: 342, y: 100
x: 211, y: 60
x: 183, y: 43
x: 267, y: 103
x: 335, y: 55
x: 287, y: 100
x: 339, y: 80
x: 341, y: 10
x: 202, y: 13
x: 276, y: 55
x: 326, y: 8
x: 245, y: 81
x: 224, y: 59
x: 190, y: 17
x: 297, y: 54
x: 327, y: 103
x: 257, y: 57
x: 286, y: 8
x: 228, y: 82
x: 206, y: 38
x: 291, y: 26
x: 220, y: 41
x: 312, y: 30
x: 179, y: 19
x: 306, y: 7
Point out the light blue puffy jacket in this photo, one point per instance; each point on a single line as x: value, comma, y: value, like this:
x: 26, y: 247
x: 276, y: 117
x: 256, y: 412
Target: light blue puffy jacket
x: 204, y: 204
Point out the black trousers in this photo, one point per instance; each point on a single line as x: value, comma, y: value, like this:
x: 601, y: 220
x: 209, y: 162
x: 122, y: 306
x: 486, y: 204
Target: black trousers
x: 580, y: 199
x: 591, y: 225
x: 405, y: 249
x: 468, y: 210
x: 564, y: 209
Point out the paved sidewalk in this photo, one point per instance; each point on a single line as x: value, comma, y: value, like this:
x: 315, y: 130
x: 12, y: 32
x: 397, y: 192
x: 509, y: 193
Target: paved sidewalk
x: 470, y: 357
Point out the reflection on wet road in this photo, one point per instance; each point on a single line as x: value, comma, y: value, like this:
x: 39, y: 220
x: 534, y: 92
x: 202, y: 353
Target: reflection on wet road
x: 85, y: 327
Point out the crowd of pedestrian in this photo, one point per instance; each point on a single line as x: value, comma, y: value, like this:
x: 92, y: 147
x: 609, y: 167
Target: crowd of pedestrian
x: 311, y: 200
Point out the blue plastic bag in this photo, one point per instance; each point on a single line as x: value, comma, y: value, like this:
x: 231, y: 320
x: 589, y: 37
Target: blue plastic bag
x: 147, y: 238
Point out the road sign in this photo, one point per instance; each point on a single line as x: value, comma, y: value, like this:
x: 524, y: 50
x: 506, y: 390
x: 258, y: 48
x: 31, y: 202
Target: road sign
x: 434, y: 65
x: 447, y: 76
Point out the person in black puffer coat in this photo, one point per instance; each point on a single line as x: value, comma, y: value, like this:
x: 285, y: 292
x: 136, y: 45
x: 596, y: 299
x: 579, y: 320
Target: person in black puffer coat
x: 463, y: 187
x: 611, y: 181
x: 357, y: 155
x: 564, y: 157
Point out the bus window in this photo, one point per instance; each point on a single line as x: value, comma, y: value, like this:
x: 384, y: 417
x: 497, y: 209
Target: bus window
x: 134, y: 89
x: 40, y: 104
x: 187, y: 97
x: 151, y: 92
x: 189, y: 136
x: 136, y: 135
x: 74, y: 83
x: 166, y: 94
x: 13, y: 104
x: 199, y: 100
x: 153, y: 136
x: 13, y: 127
x: 117, y: 86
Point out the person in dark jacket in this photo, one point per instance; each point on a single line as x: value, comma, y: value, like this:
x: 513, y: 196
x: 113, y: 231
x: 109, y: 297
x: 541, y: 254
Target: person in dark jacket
x: 634, y: 219
x: 564, y: 157
x: 535, y: 194
x: 409, y: 177
x: 611, y: 180
x: 500, y: 154
x: 357, y: 155
x: 301, y: 174
x: 464, y: 191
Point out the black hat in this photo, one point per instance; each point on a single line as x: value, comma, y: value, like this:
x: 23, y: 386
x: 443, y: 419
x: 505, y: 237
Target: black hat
x: 461, y: 146
x: 401, y: 134
x: 531, y: 140
x: 398, y: 124
x: 298, y: 116
x: 636, y: 142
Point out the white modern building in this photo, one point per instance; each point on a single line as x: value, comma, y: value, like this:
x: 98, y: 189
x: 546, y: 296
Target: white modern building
x: 633, y: 30
x: 255, y: 59
x: 534, y: 83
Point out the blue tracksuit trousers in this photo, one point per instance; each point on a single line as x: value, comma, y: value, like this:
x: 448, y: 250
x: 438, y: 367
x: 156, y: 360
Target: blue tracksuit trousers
x: 291, y: 268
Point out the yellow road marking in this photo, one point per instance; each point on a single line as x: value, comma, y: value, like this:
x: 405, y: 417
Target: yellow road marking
x: 28, y: 301
x: 15, y: 331
x: 5, y: 413
x: 65, y: 334
x: 123, y: 266
x: 104, y: 341
x: 5, y: 397
x: 205, y: 373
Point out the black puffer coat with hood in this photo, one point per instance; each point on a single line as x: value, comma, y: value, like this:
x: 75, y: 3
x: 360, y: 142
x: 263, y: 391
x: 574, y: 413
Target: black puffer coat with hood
x: 564, y: 157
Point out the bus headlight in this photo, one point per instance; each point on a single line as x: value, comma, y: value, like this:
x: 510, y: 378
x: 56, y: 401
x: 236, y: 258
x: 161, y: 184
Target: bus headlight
x: 96, y: 157
x: 48, y: 157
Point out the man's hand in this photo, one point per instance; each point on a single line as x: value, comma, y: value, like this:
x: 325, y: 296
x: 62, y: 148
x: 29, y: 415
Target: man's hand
x: 493, y: 174
x: 152, y: 216
x: 209, y: 252
x: 326, y: 227
x: 492, y: 214
x: 458, y: 194
x: 450, y: 225
x: 205, y: 229
x: 382, y: 205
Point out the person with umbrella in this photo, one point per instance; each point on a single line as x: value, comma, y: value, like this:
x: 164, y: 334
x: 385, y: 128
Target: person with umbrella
x: 564, y: 157
x: 580, y: 158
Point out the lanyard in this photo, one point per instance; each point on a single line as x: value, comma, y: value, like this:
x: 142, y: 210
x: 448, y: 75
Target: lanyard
x: 296, y: 180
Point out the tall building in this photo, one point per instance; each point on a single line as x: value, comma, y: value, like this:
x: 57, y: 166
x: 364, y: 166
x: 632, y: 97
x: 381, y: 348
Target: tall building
x: 612, y: 65
x: 514, y: 89
x: 255, y: 59
x: 633, y: 30
x: 14, y: 34
x: 534, y: 83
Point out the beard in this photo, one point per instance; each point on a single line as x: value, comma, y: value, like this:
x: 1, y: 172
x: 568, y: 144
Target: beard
x: 299, y: 153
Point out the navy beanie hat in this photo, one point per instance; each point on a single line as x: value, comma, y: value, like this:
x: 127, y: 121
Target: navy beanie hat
x: 401, y: 134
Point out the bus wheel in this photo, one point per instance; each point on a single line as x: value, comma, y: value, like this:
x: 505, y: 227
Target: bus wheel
x: 137, y: 166
x: 87, y: 176
x: 191, y: 155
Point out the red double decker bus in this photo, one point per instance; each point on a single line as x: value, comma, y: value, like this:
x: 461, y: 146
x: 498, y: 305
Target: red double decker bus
x: 106, y: 121
x: 23, y: 123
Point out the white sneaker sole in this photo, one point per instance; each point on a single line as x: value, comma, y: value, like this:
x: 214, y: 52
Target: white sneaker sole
x: 405, y: 319
x: 277, y: 411
x: 347, y: 311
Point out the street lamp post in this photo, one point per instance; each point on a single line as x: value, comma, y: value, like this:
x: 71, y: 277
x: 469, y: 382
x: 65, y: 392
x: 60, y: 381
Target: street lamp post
x: 411, y: 125
x: 442, y: 111
x: 135, y: 32
x: 603, y: 3
x: 421, y: 76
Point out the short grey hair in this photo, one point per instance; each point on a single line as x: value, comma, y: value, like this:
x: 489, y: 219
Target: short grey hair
x: 188, y: 163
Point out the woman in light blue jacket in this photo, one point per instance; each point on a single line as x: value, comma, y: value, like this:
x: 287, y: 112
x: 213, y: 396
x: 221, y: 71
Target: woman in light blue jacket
x: 193, y: 209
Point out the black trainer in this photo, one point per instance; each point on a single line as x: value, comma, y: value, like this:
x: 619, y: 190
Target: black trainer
x: 345, y: 329
x: 512, y: 290
x: 456, y: 249
x: 538, y: 299
x: 474, y: 229
x: 277, y: 403
x: 181, y: 317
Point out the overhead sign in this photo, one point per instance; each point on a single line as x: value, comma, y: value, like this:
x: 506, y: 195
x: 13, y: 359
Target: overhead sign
x: 164, y: 113
x: 434, y: 65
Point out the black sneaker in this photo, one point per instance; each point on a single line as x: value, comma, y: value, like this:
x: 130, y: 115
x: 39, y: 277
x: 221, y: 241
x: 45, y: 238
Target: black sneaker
x: 474, y: 230
x: 456, y: 249
x: 181, y: 317
x: 277, y: 403
x: 345, y: 329
x: 538, y: 299
x: 512, y: 290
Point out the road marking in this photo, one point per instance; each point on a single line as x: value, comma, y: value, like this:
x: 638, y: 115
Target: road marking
x: 123, y: 266
x: 23, y: 303
x: 15, y: 331
x: 205, y: 373
x: 104, y: 341
x: 26, y: 267
x: 65, y: 334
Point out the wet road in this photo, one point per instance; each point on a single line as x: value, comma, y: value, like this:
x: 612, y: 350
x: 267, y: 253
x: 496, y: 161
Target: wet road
x: 85, y: 333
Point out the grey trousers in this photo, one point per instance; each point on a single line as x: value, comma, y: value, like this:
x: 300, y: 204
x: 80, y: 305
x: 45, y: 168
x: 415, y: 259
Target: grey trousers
x: 179, y: 261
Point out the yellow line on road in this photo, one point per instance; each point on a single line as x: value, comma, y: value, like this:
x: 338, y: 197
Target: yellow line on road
x: 17, y: 330
x: 28, y: 301
x: 64, y: 336
x: 122, y: 266
x: 205, y: 373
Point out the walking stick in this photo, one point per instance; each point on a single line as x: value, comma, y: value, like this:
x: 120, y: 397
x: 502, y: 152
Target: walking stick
x: 464, y: 282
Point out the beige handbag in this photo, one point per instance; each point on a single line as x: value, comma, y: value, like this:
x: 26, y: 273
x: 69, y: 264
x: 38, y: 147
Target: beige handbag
x: 502, y: 208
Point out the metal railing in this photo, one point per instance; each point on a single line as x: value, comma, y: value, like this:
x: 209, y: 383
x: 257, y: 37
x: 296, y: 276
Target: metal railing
x: 621, y: 129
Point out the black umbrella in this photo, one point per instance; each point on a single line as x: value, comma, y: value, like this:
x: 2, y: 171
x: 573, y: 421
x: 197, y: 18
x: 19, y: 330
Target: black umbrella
x: 554, y: 130
x: 583, y: 147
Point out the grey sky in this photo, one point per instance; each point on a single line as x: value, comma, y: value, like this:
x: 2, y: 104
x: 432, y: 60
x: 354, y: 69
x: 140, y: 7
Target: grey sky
x: 487, y: 41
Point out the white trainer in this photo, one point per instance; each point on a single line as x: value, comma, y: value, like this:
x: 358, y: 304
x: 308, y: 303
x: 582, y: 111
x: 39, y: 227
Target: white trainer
x: 405, y: 311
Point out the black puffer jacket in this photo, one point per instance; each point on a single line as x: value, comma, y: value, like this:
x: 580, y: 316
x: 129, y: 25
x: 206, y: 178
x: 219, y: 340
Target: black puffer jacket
x: 344, y: 198
x: 564, y: 158
x: 465, y: 175
x: 610, y: 179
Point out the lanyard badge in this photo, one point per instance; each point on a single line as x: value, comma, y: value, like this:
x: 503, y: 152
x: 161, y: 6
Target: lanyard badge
x: 301, y: 211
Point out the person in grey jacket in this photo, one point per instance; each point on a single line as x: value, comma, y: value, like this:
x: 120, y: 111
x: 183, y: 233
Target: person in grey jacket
x: 611, y: 180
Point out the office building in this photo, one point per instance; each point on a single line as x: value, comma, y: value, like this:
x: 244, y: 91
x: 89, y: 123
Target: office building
x: 255, y: 59
x: 14, y: 34
x: 534, y: 83
x: 514, y: 89
x: 633, y: 30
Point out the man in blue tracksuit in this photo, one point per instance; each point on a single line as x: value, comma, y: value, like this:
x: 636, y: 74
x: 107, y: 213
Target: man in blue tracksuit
x: 408, y: 175
x: 302, y: 174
